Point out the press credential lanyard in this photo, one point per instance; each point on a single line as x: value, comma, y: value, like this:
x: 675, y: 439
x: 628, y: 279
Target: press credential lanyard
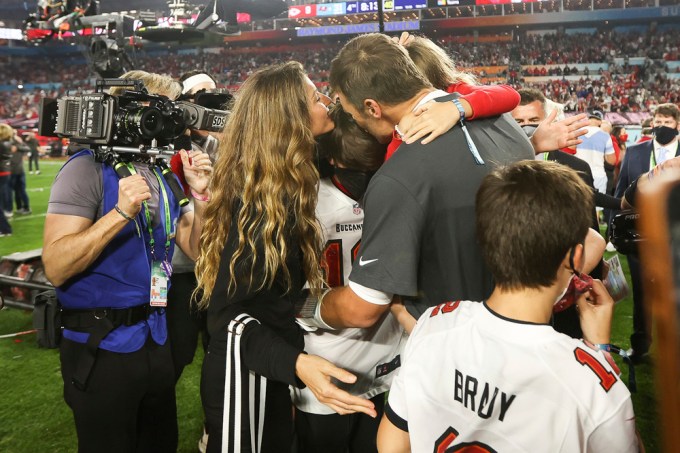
x: 160, y: 271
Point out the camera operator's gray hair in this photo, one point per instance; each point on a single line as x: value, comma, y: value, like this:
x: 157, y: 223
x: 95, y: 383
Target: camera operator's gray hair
x: 154, y: 84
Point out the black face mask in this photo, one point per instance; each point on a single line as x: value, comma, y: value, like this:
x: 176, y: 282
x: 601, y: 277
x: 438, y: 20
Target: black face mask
x: 529, y: 129
x: 354, y: 181
x: 664, y: 134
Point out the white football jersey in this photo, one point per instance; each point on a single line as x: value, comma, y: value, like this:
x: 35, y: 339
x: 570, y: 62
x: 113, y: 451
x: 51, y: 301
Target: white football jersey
x: 471, y: 377
x: 372, y: 354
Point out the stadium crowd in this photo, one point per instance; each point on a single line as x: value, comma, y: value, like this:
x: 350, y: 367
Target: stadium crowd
x: 618, y: 87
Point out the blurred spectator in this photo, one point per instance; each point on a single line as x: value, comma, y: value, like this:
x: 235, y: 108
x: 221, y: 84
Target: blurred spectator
x: 596, y: 149
x: 34, y: 154
x: 6, y: 135
x: 18, y: 176
x: 647, y: 132
x: 56, y: 148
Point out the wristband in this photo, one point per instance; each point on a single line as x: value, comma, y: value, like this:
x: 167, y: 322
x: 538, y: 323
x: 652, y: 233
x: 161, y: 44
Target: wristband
x: 309, y: 313
x: 460, y: 108
x: 120, y: 211
x: 603, y: 347
x: 200, y: 197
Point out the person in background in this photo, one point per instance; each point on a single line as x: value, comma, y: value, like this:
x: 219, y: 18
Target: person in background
x: 34, y: 154
x: 596, y: 149
x: 620, y: 139
x: 18, y: 176
x: 647, y: 133
x: 6, y: 136
x: 531, y: 112
x: 642, y: 158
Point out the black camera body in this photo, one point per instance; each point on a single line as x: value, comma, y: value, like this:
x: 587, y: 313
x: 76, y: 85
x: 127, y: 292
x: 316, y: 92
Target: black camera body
x: 623, y: 233
x: 134, y: 118
x: 203, y: 118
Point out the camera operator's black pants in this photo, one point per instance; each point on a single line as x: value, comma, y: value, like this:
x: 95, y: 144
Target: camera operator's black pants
x: 129, y: 403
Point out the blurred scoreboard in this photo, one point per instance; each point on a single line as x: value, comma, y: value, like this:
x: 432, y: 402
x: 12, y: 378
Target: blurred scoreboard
x: 371, y: 6
x: 356, y: 7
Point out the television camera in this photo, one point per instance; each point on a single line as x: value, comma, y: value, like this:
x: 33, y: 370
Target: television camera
x: 134, y: 126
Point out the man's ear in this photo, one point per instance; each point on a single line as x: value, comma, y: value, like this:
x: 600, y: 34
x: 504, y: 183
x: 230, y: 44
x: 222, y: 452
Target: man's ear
x: 575, y: 258
x: 372, y: 108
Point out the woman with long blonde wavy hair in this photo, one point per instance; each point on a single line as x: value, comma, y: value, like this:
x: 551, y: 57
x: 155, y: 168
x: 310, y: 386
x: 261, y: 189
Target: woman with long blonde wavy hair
x: 261, y: 242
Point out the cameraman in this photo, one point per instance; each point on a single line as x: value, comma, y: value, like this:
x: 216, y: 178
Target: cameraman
x: 107, y: 245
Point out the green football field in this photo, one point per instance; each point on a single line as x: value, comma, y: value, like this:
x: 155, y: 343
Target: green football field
x: 34, y: 417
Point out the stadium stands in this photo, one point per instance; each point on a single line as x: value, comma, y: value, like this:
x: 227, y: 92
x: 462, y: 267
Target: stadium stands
x: 608, y: 70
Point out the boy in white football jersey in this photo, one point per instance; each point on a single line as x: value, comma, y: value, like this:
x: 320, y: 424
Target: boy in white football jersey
x: 496, y: 376
x: 371, y: 354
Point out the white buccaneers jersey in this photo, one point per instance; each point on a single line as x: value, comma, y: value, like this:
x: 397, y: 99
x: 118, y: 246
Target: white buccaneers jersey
x: 471, y: 378
x: 371, y: 354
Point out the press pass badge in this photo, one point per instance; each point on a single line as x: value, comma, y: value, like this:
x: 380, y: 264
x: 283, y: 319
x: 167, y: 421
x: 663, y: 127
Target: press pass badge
x: 159, y: 286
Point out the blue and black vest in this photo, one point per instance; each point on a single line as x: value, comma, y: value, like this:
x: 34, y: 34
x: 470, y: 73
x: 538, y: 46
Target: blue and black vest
x: 121, y: 276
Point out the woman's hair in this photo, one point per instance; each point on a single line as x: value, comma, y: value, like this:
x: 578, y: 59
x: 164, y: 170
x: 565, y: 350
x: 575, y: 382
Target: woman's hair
x: 616, y: 130
x: 436, y: 64
x: 6, y: 132
x: 265, y: 162
x: 154, y: 84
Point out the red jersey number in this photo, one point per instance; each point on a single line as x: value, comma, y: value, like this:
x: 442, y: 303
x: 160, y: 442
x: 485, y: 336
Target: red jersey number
x: 333, y: 261
x: 445, y: 444
x: 607, y: 378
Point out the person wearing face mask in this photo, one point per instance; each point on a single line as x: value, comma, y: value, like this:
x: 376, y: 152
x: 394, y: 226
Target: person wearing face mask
x: 530, y: 112
x: 641, y: 158
x: 355, y: 156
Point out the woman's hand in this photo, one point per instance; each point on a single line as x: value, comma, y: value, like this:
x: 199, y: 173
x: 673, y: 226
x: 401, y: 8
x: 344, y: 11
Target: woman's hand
x: 316, y: 372
x: 197, y: 170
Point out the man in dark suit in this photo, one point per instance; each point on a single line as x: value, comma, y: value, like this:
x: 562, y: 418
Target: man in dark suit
x: 639, y: 159
x: 528, y: 114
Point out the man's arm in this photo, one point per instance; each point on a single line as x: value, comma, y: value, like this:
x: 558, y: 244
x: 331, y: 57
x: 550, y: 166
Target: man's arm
x: 595, y: 246
x: 72, y: 243
x: 610, y: 158
x: 342, y: 307
x: 609, y: 153
x: 392, y: 439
